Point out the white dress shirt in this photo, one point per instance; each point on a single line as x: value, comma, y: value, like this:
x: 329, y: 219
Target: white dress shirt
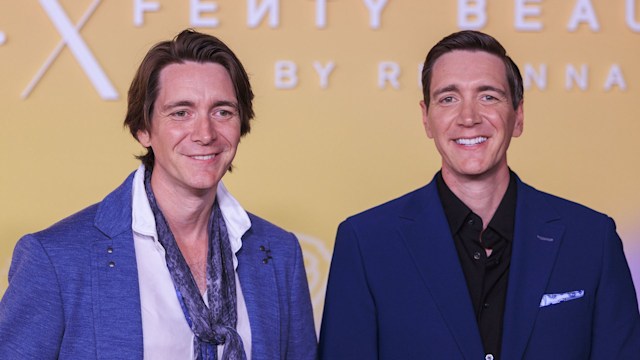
x: 165, y: 331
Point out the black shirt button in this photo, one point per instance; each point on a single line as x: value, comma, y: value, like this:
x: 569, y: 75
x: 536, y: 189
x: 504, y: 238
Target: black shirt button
x: 470, y: 222
x: 477, y: 255
x: 485, y: 305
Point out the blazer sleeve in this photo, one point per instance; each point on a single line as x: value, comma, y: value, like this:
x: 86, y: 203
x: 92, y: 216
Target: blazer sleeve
x: 31, y: 312
x: 302, y: 334
x: 349, y: 324
x: 616, y: 322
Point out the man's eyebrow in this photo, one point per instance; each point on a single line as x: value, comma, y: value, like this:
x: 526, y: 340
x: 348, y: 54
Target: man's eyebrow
x: 232, y: 104
x: 445, y: 89
x: 188, y: 103
x: 492, y: 88
x: 176, y: 104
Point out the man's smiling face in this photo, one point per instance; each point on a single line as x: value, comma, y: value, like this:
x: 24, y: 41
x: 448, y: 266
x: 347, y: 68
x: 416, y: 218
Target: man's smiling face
x: 471, y: 116
x: 195, y: 127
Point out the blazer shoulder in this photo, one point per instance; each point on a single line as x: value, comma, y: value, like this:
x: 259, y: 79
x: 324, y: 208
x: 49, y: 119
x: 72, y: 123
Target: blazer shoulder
x: 264, y: 231
x: 85, y: 224
x: 71, y: 228
x: 411, y: 202
x: 564, y: 207
x: 260, y: 226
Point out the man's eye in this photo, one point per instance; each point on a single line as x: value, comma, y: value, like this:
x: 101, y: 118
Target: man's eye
x: 223, y: 113
x: 180, y: 113
x: 446, y: 99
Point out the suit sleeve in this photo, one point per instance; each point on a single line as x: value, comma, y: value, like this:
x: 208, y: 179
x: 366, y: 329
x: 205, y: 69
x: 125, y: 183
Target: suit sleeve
x: 349, y: 324
x: 303, y: 343
x: 616, y: 327
x: 31, y: 313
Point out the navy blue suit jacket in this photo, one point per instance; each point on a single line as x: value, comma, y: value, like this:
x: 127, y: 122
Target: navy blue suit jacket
x: 396, y: 289
x: 65, y: 301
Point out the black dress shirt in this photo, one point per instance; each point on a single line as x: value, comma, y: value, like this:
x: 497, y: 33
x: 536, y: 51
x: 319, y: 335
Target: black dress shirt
x: 486, y: 277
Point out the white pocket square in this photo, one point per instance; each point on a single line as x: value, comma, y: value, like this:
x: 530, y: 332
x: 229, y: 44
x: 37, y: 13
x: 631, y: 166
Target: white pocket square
x: 552, y: 299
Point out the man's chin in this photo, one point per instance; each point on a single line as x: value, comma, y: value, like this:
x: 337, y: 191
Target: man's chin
x: 475, y: 172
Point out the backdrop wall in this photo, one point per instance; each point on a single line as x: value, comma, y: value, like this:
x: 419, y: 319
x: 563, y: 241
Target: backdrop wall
x: 338, y: 125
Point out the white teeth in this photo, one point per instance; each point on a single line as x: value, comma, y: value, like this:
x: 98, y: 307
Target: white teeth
x: 473, y: 141
x: 203, y: 157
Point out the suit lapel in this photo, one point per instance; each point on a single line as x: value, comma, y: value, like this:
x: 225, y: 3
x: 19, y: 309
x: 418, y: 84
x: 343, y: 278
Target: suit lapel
x: 428, y: 237
x: 114, y: 274
x: 260, y: 291
x: 538, y: 235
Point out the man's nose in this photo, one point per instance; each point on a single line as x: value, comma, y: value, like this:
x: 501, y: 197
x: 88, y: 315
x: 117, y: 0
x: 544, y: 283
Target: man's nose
x: 204, y: 131
x: 469, y: 115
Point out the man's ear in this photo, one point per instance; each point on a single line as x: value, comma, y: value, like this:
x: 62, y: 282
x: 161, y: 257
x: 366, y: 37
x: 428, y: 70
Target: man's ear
x: 144, y: 138
x: 425, y: 118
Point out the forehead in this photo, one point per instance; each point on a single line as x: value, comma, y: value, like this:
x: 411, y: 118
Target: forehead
x: 468, y: 66
x: 195, y: 79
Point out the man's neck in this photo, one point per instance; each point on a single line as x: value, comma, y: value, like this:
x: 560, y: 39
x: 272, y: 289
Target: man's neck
x: 187, y: 214
x: 482, y: 194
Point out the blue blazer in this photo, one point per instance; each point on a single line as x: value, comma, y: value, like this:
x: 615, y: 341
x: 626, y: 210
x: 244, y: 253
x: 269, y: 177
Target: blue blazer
x: 73, y: 290
x: 396, y: 289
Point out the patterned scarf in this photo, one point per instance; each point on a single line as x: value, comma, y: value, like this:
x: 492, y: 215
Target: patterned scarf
x: 216, y: 324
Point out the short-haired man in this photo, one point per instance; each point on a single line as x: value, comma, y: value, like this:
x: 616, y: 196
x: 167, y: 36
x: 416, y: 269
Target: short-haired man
x: 478, y: 264
x: 169, y: 265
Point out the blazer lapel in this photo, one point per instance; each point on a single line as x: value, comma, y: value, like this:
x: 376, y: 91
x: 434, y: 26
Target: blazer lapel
x: 428, y: 237
x: 114, y: 273
x: 260, y: 291
x: 538, y: 235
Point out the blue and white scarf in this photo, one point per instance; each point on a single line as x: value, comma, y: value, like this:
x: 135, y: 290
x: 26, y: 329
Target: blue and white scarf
x: 216, y: 324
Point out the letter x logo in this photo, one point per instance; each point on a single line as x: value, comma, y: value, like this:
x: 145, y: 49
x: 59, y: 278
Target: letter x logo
x: 78, y: 47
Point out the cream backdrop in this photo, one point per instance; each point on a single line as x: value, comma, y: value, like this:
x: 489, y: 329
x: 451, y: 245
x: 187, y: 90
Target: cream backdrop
x: 319, y: 150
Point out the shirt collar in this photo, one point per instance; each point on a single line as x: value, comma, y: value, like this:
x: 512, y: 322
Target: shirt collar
x: 142, y: 220
x: 457, y: 212
x: 454, y: 209
x: 504, y: 219
x: 235, y: 217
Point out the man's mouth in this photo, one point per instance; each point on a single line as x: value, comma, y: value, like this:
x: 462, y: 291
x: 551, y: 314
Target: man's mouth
x: 203, y: 157
x: 471, y: 141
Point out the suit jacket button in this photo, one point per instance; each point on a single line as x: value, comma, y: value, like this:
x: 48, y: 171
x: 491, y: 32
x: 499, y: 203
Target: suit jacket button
x: 488, y: 357
x: 112, y: 264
